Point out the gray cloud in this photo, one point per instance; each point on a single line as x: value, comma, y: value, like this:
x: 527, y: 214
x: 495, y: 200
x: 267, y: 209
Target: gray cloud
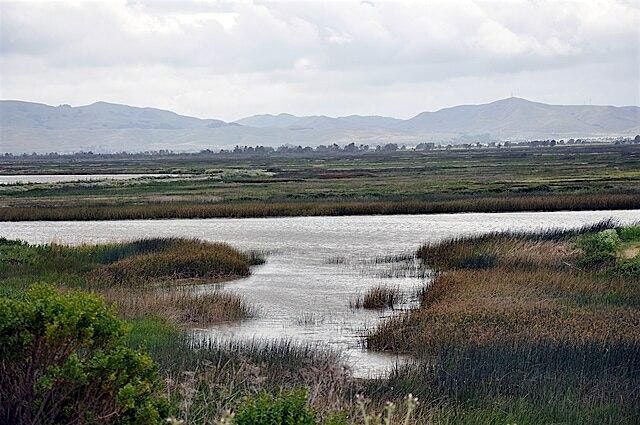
x: 227, y: 60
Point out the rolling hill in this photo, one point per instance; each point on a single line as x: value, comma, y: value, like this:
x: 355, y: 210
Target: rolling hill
x: 109, y: 127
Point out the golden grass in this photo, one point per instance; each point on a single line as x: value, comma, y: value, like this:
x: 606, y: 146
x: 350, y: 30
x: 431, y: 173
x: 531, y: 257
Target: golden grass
x: 182, y: 259
x: 508, y: 288
x: 179, y: 306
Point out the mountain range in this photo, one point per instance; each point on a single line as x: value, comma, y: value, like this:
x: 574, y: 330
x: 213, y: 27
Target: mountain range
x: 109, y: 127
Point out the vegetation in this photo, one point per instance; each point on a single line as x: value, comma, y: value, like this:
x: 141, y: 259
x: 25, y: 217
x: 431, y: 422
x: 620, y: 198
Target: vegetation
x: 526, y: 328
x: 140, y: 278
x: 520, y: 328
x: 488, y: 180
x: 265, y: 409
x: 378, y: 297
x: 63, y: 360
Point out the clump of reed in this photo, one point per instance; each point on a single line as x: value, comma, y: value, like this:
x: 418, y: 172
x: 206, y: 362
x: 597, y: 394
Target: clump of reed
x: 377, y: 298
x: 183, y: 259
x: 309, y: 319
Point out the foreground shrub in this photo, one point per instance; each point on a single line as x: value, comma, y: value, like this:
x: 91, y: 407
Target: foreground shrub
x: 287, y: 408
x: 629, y: 233
x: 63, y: 360
x: 628, y: 268
x: 599, y: 248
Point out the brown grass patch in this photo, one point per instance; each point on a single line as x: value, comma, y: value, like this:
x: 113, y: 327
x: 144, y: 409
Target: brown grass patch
x: 179, y: 305
x: 514, y: 288
x: 181, y: 259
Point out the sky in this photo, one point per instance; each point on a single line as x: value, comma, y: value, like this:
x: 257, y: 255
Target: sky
x: 228, y: 60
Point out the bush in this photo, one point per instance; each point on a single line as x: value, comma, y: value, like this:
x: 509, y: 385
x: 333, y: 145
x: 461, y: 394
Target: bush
x: 287, y: 408
x: 628, y: 268
x: 629, y: 234
x: 600, y: 248
x: 63, y: 360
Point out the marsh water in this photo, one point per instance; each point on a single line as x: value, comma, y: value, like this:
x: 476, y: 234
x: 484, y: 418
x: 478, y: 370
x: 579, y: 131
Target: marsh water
x: 316, y: 265
x: 60, y: 178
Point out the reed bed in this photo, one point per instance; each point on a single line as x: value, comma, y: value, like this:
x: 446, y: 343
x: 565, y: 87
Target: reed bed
x: 185, y: 259
x: 550, y: 202
x: 523, y: 317
x: 208, y: 377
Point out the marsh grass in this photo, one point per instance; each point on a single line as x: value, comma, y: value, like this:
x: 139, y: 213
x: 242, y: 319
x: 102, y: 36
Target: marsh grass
x: 549, y: 202
x: 512, y: 316
x: 179, y: 305
x: 207, y: 377
x: 378, y: 298
x: 139, y: 278
x: 309, y: 319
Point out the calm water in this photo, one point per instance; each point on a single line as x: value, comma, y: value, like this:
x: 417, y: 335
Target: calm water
x: 58, y: 178
x: 315, y: 265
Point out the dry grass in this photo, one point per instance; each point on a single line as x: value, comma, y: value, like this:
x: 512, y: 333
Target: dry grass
x: 515, y: 287
x: 551, y: 202
x: 140, y: 278
x: 183, y: 259
x: 377, y: 298
x: 497, y: 305
x: 179, y: 306
x: 510, y: 319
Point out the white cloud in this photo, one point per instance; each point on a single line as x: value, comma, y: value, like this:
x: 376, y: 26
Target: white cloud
x: 215, y: 59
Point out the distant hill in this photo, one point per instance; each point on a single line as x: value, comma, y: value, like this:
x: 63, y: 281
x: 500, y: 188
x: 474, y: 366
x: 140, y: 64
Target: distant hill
x: 108, y: 127
x: 515, y: 117
x: 99, y: 115
x: 319, y: 122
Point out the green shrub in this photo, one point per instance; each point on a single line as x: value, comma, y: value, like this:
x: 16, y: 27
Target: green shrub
x: 629, y: 234
x: 287, y: 408
x: 599, y: 249
x: 63, y: 360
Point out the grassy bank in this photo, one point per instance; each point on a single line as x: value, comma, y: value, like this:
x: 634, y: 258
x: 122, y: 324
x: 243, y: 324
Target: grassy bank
x: 526, y: 328
x: 142, y: 278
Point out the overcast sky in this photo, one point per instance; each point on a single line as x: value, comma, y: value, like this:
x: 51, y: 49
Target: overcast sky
x: 228, y: 60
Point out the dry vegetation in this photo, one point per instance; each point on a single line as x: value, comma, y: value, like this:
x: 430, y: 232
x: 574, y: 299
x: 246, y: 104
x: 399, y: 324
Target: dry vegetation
x: 548, y: 202
x: 546, y: 321
x: 378, y: 297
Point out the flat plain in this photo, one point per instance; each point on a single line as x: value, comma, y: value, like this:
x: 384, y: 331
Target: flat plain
x: 579, y: 177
